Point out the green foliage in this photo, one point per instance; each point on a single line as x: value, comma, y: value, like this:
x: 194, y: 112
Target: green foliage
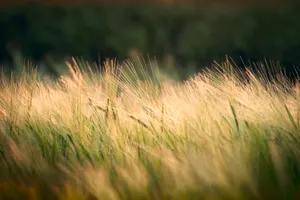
x: 192, y: 34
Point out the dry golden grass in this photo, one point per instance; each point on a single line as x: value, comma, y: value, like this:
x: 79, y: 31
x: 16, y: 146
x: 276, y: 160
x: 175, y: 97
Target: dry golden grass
x: 121, y: 133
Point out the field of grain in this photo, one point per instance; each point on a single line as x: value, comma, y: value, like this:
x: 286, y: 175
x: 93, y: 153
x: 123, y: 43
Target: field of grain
x: 127, y: 132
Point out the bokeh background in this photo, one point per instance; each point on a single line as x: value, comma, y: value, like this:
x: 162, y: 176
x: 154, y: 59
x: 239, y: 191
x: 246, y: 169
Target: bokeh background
x: 185, y: 35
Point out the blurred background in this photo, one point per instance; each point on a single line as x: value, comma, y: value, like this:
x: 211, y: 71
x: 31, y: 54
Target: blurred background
x: 182, y: 35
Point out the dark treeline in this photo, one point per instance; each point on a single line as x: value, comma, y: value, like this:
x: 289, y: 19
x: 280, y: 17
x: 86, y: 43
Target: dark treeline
x: 159, y: 2
x: 191, y: 34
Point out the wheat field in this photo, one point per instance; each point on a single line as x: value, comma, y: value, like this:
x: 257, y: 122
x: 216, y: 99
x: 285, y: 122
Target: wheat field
x: 126, y: 132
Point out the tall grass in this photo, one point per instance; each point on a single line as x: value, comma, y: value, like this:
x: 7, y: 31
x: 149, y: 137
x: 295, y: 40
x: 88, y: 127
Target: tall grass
x: 121, y: 133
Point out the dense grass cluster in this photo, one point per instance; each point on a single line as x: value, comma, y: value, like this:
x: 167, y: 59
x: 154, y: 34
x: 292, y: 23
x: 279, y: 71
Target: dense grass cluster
x: 127, y: 133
